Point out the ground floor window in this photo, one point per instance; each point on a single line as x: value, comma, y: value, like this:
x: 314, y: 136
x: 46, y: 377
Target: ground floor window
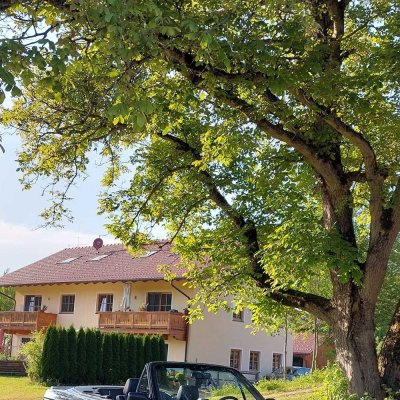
x: 254, y: 363
x: 297, y: 361
x: 33, y: 303
x: 276, y: 361
x: 235, y: 358
x: 25, y: 340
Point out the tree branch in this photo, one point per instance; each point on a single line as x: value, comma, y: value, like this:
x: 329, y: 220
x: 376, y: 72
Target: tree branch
x: 309, y: 302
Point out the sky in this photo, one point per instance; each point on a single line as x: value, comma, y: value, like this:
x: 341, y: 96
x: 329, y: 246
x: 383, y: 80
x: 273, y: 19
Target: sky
x: 22, y: 241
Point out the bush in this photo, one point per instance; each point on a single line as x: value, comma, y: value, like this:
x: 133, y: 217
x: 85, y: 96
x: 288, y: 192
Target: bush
x: 155, y: 348
x: 32, y: 353
x: 72, y: 375
x: 108, y: 373
x: 146, y: 348
x: 99, y: 354
x: 123, y: 346
x: 132, y: 356
x: 81, y: 356
x: 91, y: 356
x: 50, y: 358
x: 63, y: 360
x: 116, y: 358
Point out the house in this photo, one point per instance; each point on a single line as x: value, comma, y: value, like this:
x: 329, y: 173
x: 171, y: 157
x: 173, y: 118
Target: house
x: 303, y: 350
x: 112, y: 290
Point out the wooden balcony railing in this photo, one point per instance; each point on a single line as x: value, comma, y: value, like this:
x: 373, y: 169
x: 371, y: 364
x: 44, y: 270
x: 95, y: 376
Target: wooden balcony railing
x: 142, y: 322
x: 25, y: 322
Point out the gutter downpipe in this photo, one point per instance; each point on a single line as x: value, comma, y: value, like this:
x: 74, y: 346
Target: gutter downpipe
x: 187, y: 329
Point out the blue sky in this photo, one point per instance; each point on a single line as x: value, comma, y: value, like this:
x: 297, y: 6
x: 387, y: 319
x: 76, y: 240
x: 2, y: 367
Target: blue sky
x: 21, y: 242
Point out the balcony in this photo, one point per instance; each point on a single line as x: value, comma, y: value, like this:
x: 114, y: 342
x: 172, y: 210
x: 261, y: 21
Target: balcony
x: 142, y: 322
x: 25, y: 322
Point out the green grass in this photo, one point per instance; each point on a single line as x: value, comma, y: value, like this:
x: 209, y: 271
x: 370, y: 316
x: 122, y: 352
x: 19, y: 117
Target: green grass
x: 20, y: 388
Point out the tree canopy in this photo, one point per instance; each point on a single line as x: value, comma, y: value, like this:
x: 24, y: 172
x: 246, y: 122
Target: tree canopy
x: 263, y: 135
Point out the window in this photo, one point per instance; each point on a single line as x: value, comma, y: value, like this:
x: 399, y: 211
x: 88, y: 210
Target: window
x: 234, y: 361
x: 159, y: 301
x: 25, y: 340
x: 100, y: 257
x: 68, y: 260
x: 276, y: 361
x: 33, y: 303
x: 105, y: 302
x: 254, y: 364
x: 68, y: 303
x: 238, y: 316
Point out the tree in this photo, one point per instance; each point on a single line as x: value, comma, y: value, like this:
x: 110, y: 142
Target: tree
x: 123, y: 344
x: 81, y: 356
x: 72, y: 356
x: 116, y: 357
x: 63, y: 354
x: 99, y: 353
x: 50, y: 359
x: 108, y: 362
x: 263, y: 135
x: 91, y: 356
x: 132, y: 357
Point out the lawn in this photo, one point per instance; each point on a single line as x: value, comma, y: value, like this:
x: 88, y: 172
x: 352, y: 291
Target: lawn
x: 20, y: 388
x: 16, y: 388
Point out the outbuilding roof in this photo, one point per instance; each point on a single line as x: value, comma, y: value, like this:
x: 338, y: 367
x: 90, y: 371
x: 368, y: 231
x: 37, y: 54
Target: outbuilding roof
x: 303, y: 343
x: 111, y: 263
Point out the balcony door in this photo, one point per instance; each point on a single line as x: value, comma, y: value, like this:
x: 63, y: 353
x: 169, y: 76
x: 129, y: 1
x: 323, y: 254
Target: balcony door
x: 33, y: 303
x: 157, y: 301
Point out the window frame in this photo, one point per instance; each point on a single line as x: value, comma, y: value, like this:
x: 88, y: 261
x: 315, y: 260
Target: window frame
x: 73, y: 304
x: 108, y: 304
x: 160, y: 304
x: 238, y: 317
x: 280, y: 361
x: 251, y: 361
x: 35, y: 307
x: 239, y: 352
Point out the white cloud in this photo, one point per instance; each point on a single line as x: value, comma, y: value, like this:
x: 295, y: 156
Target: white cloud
x: 21, y: 245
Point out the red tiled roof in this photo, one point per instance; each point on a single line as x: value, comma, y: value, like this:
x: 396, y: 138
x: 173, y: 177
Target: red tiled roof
x: 118, y: 266
x: 303, y: 343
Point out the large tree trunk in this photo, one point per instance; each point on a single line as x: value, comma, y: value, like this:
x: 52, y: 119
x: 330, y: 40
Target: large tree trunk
x: 354, y: 335
x: 389, y: 357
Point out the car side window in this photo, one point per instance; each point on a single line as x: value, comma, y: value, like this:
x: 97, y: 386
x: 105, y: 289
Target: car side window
x: 144, y: 384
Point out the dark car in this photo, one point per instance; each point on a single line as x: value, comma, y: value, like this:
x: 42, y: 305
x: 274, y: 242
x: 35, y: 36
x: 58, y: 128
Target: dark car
x: 169, y: 381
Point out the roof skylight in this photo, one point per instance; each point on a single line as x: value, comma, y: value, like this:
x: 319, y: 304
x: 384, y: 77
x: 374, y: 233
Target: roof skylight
x: 67, y: 260
x: 148, y: 254
x: 99, y: 257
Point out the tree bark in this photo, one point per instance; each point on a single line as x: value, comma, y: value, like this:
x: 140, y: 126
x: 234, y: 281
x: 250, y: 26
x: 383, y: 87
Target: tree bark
x: 389, y: 357
x: 354, y: 334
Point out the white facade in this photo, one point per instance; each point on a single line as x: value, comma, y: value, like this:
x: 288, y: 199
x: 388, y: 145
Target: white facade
x: 210, y: 340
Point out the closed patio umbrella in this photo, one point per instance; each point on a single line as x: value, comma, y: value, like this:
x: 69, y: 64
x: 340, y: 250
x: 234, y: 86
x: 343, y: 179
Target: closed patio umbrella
x: 126, y: 298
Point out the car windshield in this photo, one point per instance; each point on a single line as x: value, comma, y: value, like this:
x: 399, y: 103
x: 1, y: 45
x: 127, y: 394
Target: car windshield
x: 203, y: 382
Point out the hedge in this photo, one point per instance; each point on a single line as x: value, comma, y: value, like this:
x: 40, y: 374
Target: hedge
x: 92, y: 357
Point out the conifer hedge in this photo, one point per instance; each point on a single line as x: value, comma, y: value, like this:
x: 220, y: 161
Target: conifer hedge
x: 92, y: 357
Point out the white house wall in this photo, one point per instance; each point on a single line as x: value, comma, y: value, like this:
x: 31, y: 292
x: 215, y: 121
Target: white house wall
x: 211, y: 341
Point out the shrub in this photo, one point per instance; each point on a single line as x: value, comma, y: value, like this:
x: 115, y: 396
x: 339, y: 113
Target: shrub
x: 91, y: 356
x: 32, y: 353
x: 99, y: 356
x: 123, y: 346
x: 163, y: 349
x: 140, y: 355
x: 108, y: 358
x: 63, y: 361
x: 146, y: 348
x: 155, y: 348
x: 132, y: 356
x: 72, y: 376
x: 50, y: 358
x: 116, y: 358
x: 81, y: 355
